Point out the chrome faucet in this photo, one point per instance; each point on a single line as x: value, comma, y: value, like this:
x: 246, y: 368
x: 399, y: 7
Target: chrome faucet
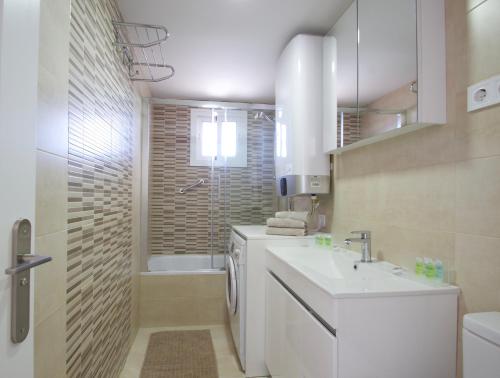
x: 366, y: 245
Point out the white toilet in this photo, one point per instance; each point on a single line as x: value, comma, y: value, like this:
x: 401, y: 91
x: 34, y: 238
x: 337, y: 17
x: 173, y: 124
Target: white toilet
x: 481, y: 345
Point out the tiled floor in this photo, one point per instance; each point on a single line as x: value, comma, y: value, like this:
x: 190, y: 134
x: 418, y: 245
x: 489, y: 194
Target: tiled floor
x: 227, y: 361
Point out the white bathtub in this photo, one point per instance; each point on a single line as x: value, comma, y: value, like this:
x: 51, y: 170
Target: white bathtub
x: 184, y: 264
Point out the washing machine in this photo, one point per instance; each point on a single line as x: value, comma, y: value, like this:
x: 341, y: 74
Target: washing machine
x: 245, y: 291
x: 235, y: 293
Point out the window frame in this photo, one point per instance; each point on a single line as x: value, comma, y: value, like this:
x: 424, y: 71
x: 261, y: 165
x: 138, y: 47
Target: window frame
x: 218, y: 116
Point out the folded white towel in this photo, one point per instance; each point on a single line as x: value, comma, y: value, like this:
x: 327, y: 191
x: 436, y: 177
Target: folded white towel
x: 286, y: 231
x: 286, y: 223
x: 297, y: 215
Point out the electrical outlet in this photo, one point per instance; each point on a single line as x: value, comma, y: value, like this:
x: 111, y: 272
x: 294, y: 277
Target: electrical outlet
x: 479, y: 95
x: 483, y: 94
x: 497, y: 86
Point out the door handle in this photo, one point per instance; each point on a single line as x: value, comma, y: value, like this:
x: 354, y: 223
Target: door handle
x: 25, y: 262
x: 22, y: 262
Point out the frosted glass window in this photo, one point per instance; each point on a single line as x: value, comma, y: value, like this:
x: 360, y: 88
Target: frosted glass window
x: 218, y: 138
x: 209, y: 139
x: 228, y: 139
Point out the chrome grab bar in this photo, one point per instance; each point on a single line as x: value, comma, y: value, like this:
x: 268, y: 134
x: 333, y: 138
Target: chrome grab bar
x: 198, y: 183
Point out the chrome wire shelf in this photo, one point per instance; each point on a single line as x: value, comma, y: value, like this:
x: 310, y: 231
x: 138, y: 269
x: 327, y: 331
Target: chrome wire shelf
x: 142, y: 48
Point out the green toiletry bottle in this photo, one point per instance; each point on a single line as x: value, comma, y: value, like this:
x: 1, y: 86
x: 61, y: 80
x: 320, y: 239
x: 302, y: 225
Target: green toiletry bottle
x: 328, y: 241
x: 419, y: 266
x: 430, y: 269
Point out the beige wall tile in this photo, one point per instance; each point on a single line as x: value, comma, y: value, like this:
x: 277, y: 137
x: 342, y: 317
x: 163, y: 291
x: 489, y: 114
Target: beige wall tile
x: 50, y: 278
x: 211, y: 286
x: 182, y: 300
x: 50, y: 346
x: 169, y: 312
x: 51, y: 193
x: 211, y: 310
x: 478, y: 134
x: 161, y: 287
x: 421, y: 198
x: 52, y: 133
x: 478, y: 272
x: 403, y: 245
x: 433, y: 145
x: 52, y: 125
x: 478, y: 197
x: 164, y: 287
x: 54, y: 36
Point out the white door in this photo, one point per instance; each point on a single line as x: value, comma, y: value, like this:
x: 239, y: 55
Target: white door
x: 19, y: 20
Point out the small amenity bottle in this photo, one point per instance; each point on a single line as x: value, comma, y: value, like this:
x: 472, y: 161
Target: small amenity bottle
x: 430, y: 270
x: 439, y: 270
x: 419, y: 266
x: 319, y: 239
x: 328, y: 241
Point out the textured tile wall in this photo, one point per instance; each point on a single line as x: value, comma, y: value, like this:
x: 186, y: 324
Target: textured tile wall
x: 181, y: 223
x: 101, y: 121
x: 351, y: 129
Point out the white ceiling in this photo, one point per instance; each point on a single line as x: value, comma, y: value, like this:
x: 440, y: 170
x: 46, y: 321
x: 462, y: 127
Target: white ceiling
x: 226, y: 50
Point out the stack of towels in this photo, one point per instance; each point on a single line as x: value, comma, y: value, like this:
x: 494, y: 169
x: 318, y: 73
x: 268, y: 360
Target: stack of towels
x: 288, y: 223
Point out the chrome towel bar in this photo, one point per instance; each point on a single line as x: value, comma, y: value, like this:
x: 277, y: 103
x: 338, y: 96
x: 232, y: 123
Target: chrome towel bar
x: 198, y: 183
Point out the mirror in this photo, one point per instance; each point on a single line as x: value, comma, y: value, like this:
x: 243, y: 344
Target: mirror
x: 375, y: 66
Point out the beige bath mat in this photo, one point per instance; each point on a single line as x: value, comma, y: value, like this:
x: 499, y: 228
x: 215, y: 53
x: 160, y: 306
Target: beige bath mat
x: 180, y: 354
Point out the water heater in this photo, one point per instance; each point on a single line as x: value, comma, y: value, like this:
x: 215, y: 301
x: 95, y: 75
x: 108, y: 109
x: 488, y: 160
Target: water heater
x: 301, y: 166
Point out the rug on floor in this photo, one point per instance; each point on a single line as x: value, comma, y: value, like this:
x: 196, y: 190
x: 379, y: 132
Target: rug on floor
x: 180, y: 354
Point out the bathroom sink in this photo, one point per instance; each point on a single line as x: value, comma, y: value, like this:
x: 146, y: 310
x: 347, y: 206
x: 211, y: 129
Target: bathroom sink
x: 339, y: 273
x: 324, y: 278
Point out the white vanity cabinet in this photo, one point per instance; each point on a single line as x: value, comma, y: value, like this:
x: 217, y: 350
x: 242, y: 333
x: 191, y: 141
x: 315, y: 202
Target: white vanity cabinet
x: 297, y: 344
x: 327, y: 316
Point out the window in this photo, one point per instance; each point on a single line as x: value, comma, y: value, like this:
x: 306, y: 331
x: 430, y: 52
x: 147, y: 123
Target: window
x: 219, y: 136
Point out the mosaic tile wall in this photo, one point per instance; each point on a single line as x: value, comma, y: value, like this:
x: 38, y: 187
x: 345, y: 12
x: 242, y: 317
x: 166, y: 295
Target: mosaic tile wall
x: 181, y: 223
x: 351, y: 128
x: 101, y: 106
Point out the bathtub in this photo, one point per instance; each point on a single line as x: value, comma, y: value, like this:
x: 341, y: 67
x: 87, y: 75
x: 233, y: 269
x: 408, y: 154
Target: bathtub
x: 184, y: 264
x: 182, y: 290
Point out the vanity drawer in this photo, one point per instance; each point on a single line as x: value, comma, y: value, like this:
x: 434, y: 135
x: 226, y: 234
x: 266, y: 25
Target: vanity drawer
x: 297, y: 344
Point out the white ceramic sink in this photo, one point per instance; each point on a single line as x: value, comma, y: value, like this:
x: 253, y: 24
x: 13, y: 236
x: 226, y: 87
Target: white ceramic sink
x: 334, y: 272
x: 323, y: 277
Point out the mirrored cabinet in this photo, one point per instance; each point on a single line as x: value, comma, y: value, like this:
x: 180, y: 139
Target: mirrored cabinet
x: 384, y: 72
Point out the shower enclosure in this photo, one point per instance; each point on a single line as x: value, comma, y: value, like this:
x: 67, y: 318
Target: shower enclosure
x: 209, y: 166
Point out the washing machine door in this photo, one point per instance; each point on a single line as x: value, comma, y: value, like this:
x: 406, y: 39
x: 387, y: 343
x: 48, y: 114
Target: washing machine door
x: 231, y: 286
